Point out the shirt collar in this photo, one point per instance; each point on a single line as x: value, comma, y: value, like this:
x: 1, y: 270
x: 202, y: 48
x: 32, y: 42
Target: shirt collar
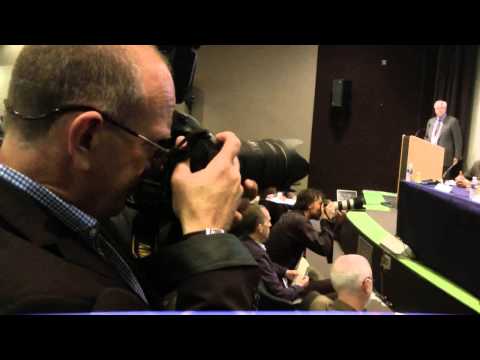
x: 74, y: 218
x: 260, y: 244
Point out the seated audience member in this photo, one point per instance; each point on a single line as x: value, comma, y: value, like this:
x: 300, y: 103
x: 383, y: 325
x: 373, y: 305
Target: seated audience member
x: 249, y: 196
x: 255, y: 227
x: 463, y: 180
x: 250, y: 191
x: 294, y: 233
x: 351, y: 277
x: 268, y: 191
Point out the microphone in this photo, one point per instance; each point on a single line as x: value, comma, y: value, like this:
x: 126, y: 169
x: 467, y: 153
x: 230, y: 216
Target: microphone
x: 447, y: 171
x: 419, y: 132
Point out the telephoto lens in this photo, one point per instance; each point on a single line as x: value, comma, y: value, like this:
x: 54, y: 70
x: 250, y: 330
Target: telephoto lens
x: 350, y: 204
x: 270, y: 162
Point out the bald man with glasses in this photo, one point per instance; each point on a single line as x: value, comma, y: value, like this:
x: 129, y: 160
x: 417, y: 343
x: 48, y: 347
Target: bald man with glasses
x: 83, y: 124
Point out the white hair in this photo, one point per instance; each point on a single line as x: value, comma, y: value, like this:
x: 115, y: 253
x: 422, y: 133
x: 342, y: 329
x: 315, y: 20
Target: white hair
x: 440, y: 103
x: 342, y: 281
x: 348, y: 273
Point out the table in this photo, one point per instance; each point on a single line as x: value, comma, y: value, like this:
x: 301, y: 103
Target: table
x: 443, y: 231
x: 409, y: 285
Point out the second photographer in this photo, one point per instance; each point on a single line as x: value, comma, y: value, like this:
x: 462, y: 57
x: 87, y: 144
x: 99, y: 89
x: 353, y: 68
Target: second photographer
x: 294, y: 233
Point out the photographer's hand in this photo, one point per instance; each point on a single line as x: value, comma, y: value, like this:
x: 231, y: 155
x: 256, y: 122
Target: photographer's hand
x: 328, y: 211
x: 340, y: 217
x: 461, y: 181
x: 208, y: 198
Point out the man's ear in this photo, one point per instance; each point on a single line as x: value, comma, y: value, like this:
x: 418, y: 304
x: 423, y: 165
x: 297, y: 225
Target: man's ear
x: 367, y: 285
x: 81, y: 136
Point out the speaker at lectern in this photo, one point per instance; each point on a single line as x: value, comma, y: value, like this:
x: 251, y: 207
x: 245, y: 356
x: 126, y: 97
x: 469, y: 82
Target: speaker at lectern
x: 425, y: 158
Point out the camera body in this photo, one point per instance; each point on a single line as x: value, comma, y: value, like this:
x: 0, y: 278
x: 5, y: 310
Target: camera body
x: 268, y: 162
x: 156, y: 224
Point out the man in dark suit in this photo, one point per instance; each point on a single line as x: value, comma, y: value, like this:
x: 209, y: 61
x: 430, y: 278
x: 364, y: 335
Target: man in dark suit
x: 351, y: 277
x: 294, y: 232
x: 464, y: 180
x: 255, y: 225
x: 82, y: 125
x: 444, y: 130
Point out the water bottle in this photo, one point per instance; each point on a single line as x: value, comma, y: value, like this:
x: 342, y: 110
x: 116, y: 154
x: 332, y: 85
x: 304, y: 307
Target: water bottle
x: 418, y: 177
x: 473, y: 188
x: 474, y: 183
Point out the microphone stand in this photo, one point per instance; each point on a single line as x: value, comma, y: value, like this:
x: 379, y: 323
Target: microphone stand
x: 448, y: 170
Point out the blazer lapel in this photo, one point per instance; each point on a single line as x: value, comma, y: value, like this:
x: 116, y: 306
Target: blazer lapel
x: 27, y: 219
x: 445, y: 127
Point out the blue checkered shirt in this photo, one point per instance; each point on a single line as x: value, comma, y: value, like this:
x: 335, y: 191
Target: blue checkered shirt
x: 71, y: 216
x: 75, y: 219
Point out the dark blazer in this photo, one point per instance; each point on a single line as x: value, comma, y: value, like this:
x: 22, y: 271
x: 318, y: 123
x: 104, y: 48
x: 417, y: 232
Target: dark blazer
x: 450, y: 138
x: 339, y: 305
x: 272, y: 273
x: 45, y: 267
x: 293, y: 234
x: 473, y: 171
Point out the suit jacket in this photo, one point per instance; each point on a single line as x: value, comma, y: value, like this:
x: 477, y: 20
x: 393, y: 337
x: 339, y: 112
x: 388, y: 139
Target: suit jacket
x: 272, y: 273
x: 473, y: 171
x: 339, y: 305
x: 45, y: 267
x: 450, y: 138
x: 293, y: 234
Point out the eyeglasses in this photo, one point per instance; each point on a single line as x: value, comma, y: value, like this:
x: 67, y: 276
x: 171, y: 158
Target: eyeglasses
x: 161, y: 146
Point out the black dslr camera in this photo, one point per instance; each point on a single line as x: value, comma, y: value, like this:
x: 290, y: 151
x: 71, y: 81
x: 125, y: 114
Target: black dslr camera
x: 268, y: 162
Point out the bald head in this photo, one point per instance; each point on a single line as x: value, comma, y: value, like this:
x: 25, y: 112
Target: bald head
x: 106, y: 77
x: 74, y: 94
x: 349, y: 272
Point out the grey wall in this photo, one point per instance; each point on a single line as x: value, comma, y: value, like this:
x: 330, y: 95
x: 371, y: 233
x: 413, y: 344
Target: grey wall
x: 258, y: 91
x: 8, y: 54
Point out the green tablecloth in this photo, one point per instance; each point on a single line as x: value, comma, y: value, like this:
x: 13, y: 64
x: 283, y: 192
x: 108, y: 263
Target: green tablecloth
x: 374, y: 200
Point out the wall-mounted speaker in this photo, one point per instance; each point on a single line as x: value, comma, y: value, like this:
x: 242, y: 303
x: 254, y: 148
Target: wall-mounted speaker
x: 341, y: 93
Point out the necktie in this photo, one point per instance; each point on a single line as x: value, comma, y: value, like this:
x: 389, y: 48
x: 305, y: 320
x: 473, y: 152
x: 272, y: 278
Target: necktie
x: 109, y: 253
x: 437, y: 129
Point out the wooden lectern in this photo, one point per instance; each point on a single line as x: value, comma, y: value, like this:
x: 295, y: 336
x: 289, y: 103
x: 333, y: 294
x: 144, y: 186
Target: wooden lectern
x: 426, y: 158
